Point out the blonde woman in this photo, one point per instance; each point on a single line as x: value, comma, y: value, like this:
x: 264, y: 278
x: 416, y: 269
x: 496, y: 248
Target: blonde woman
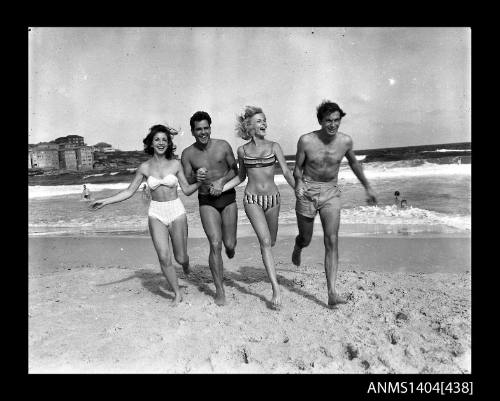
x: 261, y: 199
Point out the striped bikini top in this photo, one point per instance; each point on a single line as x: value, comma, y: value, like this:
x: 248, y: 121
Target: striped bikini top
x: 262, y: 161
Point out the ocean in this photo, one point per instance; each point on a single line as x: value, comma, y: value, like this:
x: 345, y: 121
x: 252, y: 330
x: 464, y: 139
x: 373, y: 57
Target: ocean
x: 435, y: 180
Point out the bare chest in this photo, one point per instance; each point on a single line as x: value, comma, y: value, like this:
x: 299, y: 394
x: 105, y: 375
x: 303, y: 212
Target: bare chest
x: 324, y: 156
x: 211, y: 160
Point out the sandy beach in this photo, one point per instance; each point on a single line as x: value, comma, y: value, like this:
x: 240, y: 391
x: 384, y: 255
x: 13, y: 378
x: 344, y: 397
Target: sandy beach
x: 101, y: 305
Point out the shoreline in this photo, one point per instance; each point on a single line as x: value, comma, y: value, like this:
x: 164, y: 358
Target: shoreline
x: 417, y: 254
x: 285, y: 230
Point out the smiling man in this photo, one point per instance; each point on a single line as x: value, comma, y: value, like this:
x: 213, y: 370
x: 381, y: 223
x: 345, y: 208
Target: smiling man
x: 317, y: 164
x: 211, y: 161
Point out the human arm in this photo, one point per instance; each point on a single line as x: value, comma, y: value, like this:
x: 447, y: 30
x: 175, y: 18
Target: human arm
x: 122, y: 195
x: 284, y: 167
x: 187, y: 188
x: 300, y: 158
x: 187, y: 167
x: 218, y: 184
x: 358, y: 172
x: 242, y: 173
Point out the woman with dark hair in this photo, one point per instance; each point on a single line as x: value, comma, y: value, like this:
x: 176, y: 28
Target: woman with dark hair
x: 166, y: 214
x: 261, y: 200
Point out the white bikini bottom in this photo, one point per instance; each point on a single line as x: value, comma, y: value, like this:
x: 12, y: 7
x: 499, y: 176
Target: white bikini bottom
x: 167, y: 211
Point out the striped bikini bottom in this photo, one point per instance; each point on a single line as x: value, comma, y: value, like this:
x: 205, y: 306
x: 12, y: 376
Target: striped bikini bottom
x: 264, y: 201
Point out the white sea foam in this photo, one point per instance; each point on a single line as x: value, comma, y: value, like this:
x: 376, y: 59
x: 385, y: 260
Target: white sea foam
x: 391, y: 215
x: 93, y: 175
x: 386, y: 170
x: 44, y: 191
x: 446, y: 150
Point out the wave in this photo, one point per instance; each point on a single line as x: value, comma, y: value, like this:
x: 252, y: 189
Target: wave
x: 392, y: 215
x: 373, y: 171
x: 411, y: 219
x: 92, y: 175
x: 446, y: 150
x: 44, y: 191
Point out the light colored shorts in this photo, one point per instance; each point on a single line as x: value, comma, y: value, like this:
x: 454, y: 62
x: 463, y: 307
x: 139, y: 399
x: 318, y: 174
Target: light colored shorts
x: 167, y: 211
x: 318, y: 196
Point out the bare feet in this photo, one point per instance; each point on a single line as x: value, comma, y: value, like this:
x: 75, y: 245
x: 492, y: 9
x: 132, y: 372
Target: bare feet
x: 335, y: 299
x: 186, y: 268
x: 230, y: 253
x: 296, y: 255
x: 177, y: 299
x: 276, y: 301
x: 220, y: 299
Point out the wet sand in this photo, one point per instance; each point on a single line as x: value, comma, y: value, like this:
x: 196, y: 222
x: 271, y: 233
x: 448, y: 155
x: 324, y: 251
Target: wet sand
x: 101, y: 305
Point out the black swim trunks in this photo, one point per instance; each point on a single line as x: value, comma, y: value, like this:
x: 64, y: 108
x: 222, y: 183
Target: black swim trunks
x: 218, y: 202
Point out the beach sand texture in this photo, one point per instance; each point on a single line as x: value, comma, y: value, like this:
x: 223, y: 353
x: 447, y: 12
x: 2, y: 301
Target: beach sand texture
x: 101, y: 305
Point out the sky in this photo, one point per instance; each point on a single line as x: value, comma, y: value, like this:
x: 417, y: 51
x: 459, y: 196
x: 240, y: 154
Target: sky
x: 397, y: 86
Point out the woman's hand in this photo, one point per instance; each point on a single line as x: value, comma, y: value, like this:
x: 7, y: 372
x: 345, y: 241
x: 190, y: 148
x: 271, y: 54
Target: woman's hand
x: 97, y: 204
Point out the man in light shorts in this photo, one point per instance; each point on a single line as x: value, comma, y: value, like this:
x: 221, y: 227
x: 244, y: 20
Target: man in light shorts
x: 317, y: 164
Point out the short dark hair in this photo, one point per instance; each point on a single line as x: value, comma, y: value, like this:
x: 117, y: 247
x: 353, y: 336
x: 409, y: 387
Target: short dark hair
x: 148, y: 141
x: 199, y: 116
x: 328, y: 107
x: 396, y: 193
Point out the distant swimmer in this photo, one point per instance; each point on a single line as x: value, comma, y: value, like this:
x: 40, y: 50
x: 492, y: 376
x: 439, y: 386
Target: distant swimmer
x: 396, y: 198
x: 85, y: 193
x: 404, y: 204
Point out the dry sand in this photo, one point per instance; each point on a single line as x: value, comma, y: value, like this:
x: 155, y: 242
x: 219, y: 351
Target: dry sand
x: 101, y: 305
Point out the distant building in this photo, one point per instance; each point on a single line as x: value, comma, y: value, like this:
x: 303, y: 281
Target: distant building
x: 70, y: 141
x: 67, y: 159
x: 84, y: 158
x: 66, y: 153
x: 103, y: 147
x: 44, y: 155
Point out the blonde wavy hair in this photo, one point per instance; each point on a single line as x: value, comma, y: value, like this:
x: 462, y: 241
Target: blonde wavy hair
x: 243, y: 120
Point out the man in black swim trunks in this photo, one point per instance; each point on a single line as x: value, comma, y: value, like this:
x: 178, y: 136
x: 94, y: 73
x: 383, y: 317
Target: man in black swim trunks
x: 212, y: 162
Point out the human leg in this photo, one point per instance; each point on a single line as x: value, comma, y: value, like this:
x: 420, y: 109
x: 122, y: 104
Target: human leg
x: 211, y: 221
x: 259, y: 223
x: 272, y: 216
x: 306, y: 226
x: 229, y: 226
x: 160, y: 237
x: 178, y: 230
x: 330, y: 220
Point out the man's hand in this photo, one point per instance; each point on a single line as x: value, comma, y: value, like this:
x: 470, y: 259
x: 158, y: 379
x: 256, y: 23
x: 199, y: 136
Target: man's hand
x: 300, y: 189
x: 371, y: 198
x: 216, y: 188
x: 201, y: 174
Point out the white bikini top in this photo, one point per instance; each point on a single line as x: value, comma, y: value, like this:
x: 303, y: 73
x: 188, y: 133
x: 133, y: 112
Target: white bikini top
x: 169, y: 180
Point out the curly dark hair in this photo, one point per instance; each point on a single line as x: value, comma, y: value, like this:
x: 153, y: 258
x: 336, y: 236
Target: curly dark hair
x: 148, y: 141
x: 199, y: 116
x: 327, y: 107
